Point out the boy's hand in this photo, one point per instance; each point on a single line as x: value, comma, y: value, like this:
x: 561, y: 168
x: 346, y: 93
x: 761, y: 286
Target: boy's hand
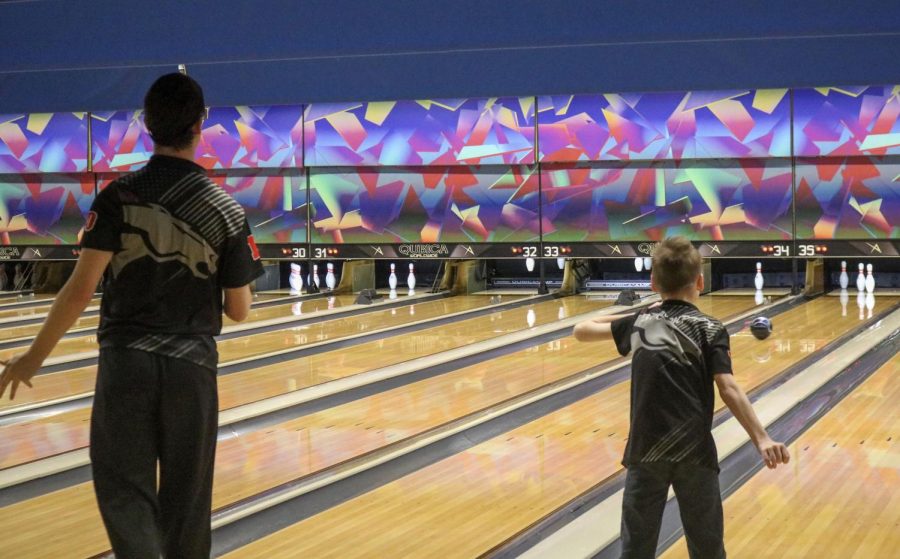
x: 773, y: 453
x: 20, y: 368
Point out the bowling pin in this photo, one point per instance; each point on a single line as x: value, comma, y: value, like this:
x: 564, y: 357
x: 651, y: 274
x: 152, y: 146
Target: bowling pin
x: 870, y: 303
x: 861, y: 279
x: 845, y: 298
x: 296, y: 279
x: 411, y: 278
x: 861, y: 303
x: 758, y: 280
x: 845, y: 279
x: 560, y: 263
x: 529, y: 264
x: 648, y: 263
x: 315, y: 275
x: 392, y: 294
x: 392, y: 279
x: 638, y: 264
x: 759, y: 298
x: 330, y: 280
x: 870, y: 279
x: 530, y: 318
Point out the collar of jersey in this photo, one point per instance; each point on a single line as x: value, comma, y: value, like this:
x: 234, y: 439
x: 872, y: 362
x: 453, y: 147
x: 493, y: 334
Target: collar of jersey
x: 177, y: 162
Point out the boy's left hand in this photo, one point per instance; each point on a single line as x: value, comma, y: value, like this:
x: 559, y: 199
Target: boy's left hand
x: 19, y: 369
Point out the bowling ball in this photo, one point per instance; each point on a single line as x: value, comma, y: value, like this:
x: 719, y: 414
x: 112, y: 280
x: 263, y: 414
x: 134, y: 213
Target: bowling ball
x: 761, y: 327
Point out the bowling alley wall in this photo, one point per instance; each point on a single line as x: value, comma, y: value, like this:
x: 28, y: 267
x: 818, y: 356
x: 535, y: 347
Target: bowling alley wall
x: 768, y: 164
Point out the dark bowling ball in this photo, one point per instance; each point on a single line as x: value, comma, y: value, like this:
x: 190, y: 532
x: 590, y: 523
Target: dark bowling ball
x: 761, y: 327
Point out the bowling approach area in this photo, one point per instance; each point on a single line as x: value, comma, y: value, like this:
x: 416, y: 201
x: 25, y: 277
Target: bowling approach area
x: 429, y: 419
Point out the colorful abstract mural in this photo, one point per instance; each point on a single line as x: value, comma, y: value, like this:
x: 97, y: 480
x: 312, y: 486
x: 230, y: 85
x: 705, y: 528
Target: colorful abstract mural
x: 648, y: 201
x: 848, y: 198
x: 846, y: 121
x: 44, y: 208
x: 232, y: 138
x: 274, y: 202
x: 439, y: 204
x: 119, y: 141
x: 43, y: 143
x: 434, y: 132
x: 657, y: 126
x: 252, y: 137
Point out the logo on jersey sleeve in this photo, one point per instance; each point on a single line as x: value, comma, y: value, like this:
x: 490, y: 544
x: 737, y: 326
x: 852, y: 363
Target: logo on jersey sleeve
x: 254, y: 250
x: 91, y: 221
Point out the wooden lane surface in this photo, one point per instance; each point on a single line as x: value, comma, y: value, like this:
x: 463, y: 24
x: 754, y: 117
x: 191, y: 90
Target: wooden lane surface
x: 42, y: 310
x: 88, y: 341
x: 78, y: 381
x: 468, y: 504
x: 840, y: 494
x: 28, y: 441
x: 70, y: 525
x: 7, y: 299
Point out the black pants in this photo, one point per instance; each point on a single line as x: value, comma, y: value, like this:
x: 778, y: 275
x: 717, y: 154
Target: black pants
x: 151, y: 409
x: 697, y: 491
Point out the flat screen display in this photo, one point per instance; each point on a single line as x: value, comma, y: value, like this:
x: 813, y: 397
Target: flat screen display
x: 43, y: 143
x: 660, y: 126
x: 44, y: 209
x: 424, y: 205
x: 847, y: 121
x: 848, y: 198
x: 429, y: 132
x: 722, y: 200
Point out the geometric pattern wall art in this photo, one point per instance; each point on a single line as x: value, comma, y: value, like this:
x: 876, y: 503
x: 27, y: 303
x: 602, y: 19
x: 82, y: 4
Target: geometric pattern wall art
x: 274, y: 202
x: 231, y: 138
x: 119, y: 141
x: 425, y: 204
x: 46, y: 208
x: 43, y: 143
x: 658, y: 126
x: 427, y: 132
x: 848, y: 198
x: 725, y: 200
x: 847, y: 121
x: 252, y: 137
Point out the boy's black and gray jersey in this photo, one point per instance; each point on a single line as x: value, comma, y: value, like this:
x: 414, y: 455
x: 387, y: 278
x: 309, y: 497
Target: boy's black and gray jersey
x: 178, y: 240
x: 677, y: 351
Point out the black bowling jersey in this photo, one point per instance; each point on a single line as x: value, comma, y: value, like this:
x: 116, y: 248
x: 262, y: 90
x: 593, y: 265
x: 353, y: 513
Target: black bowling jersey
x: 676, y: 351
x: 178, y: 240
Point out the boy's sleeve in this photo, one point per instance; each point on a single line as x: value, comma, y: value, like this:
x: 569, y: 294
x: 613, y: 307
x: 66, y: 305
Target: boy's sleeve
x: 718, y: 358
x: 103, y: 227
x: 621, y: 332
x: 240, y: 262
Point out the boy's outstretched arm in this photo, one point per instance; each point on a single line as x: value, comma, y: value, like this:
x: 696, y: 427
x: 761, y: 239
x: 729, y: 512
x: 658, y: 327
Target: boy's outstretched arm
x: 596, y: 329
x: 773, y: 453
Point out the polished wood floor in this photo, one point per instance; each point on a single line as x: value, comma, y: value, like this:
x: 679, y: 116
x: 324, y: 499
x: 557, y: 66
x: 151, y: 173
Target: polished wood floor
x: 40, y: 438
x: 21, y: 313
x: 248, y: 465
x: 265, y: 459
x: 88, y: 341
x: 839, y: 496
x: 470, y: 503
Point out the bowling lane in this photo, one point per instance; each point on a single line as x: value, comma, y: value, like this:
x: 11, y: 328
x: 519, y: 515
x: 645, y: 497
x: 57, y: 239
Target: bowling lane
x: 82, y: 379
x: 840, y: 494
x: 37, y: 311
x: 32, y: 440
x: 7, y: 299
x: 70, y: 514
x: 87, y: 342
x: 468, y: 504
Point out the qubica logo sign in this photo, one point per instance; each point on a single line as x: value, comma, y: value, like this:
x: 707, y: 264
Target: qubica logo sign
x: 647, y: 248
x: 424, y: 250
x: 8, y: 253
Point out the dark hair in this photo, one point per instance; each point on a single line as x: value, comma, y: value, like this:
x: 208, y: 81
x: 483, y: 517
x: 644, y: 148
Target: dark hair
x: 676, y: 264
x: 172, y: 106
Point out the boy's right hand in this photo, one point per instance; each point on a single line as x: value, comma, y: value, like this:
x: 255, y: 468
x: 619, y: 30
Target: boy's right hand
x: 773, y: 453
